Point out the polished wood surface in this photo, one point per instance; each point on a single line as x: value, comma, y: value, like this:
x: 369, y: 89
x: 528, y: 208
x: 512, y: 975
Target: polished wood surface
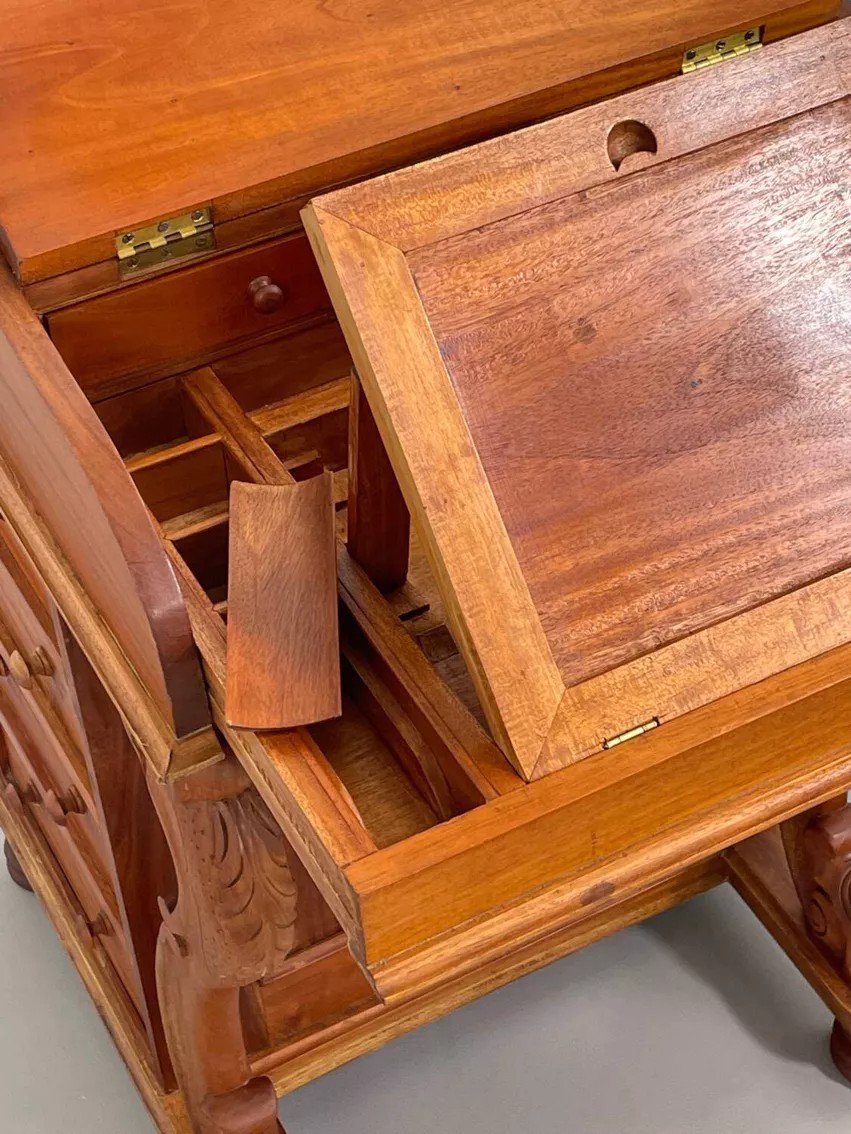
x: 622, y: 422
x: 283, y: 653
x: 70, y: 473
x: 301, y: 97
x: 169, y: 323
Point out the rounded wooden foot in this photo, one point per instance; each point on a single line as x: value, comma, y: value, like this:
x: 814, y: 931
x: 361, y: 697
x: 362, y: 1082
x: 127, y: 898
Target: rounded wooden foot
x: 840, y: 1050
x: 16, y: 871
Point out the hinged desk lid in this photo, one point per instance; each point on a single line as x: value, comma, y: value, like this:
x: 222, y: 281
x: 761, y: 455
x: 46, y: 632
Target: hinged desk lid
x: 619, y: 402
x: 120, y: 115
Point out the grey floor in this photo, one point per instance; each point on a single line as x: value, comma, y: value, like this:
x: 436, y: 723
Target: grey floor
x: 693, y: 1023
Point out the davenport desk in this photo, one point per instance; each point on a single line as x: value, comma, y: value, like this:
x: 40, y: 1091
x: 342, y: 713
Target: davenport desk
x: 413, y: 570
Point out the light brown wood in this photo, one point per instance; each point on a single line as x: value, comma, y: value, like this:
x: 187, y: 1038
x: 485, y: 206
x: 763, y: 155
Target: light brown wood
x: 283, y: 651
x: 597, y: 481
x: 247, y: 124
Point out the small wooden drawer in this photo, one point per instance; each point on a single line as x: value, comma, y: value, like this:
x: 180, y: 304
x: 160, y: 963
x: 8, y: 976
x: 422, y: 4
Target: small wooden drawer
x: 27, y: 789
x: 175, y: 321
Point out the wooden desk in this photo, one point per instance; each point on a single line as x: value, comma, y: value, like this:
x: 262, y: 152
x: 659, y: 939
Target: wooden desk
x: 251, y: 908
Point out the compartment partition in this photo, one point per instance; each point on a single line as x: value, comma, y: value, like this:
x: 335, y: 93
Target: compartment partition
x: 393, y: 765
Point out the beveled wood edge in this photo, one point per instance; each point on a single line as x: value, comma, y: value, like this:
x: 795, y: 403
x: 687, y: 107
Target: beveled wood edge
x: 438, y: 199
x: 628, y: 869
x: 405, y: 380
x: 703, y: 667
x: 270, y: 208
x: 788, y: 691
x: 166, y: 1109
x: 293, y: 1065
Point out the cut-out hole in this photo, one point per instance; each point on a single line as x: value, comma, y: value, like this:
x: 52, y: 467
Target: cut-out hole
x: 629, y: 138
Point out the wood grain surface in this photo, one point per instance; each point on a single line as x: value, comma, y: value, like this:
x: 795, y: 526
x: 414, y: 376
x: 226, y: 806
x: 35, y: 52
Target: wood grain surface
x: 246, y: 108
x: 283, y: 664
x: 636, y: 382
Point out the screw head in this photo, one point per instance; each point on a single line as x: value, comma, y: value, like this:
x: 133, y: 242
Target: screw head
x: 691, y: 54
x: 198, y: 215
x: 749, y: 35
x: 720, y: 45
x: 127, y: 237
x: 163, y: 226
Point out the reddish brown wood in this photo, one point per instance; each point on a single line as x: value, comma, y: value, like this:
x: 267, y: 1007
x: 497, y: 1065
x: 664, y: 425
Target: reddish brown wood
x: 170, y: 323
x: 76, y: 482
x: 16, y: 871
x: 283, y: 651
x: 266, y: 295
x: 595, y: 456
x: 233, y: 924
x: 379, y: 524
x: 840, y: 1049
x: 304, y: 96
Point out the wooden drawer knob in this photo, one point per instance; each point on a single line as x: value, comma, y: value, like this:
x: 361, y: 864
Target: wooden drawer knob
x: 19, y: 670
x: 266, y: 296
x: 99, y: 927
x: 22, y: 670
x: 16, y: 797
x: 59, y: 807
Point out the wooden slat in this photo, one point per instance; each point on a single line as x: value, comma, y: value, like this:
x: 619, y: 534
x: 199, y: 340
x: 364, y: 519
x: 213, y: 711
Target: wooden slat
x: 379, y: 531
x: 283, y: 653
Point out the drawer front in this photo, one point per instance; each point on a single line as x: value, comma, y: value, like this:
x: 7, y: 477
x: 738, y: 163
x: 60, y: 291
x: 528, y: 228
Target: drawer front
x: 30, y: 659
x: 64, y: 793
x: 79, y: 861
x: 183, y: 319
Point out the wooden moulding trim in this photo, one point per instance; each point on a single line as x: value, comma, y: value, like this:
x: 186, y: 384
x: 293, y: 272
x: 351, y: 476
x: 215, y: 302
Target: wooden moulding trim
x: 621, y: 877
x: 167, y: 1110
x: 294, y: 1064
x: 422, y: 427
x: 701, y: 668
x: 472, y: 187
x: 551, y: 832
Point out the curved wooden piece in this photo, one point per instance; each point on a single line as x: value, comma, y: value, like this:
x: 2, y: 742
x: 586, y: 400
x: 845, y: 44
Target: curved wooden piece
x: 233, y: 924
x: 16, y: 871
x: 74, y: 480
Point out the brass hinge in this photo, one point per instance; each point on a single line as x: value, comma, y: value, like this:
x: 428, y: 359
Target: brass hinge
x: 717, y: 50
x: 631, y: 733
x: 167, y: 240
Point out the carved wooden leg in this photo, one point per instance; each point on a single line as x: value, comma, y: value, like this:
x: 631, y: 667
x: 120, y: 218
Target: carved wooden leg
x: 818, y: 849
x: 232, y: 925
x: 16, y: 871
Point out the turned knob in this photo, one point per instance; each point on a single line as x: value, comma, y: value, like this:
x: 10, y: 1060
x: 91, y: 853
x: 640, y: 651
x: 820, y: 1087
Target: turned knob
x: 266, y: 296
x: 59, y: 807
x: 22, y: 670
x: 19, y: 671
x: 16, y: 797
x: 99, y: 927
